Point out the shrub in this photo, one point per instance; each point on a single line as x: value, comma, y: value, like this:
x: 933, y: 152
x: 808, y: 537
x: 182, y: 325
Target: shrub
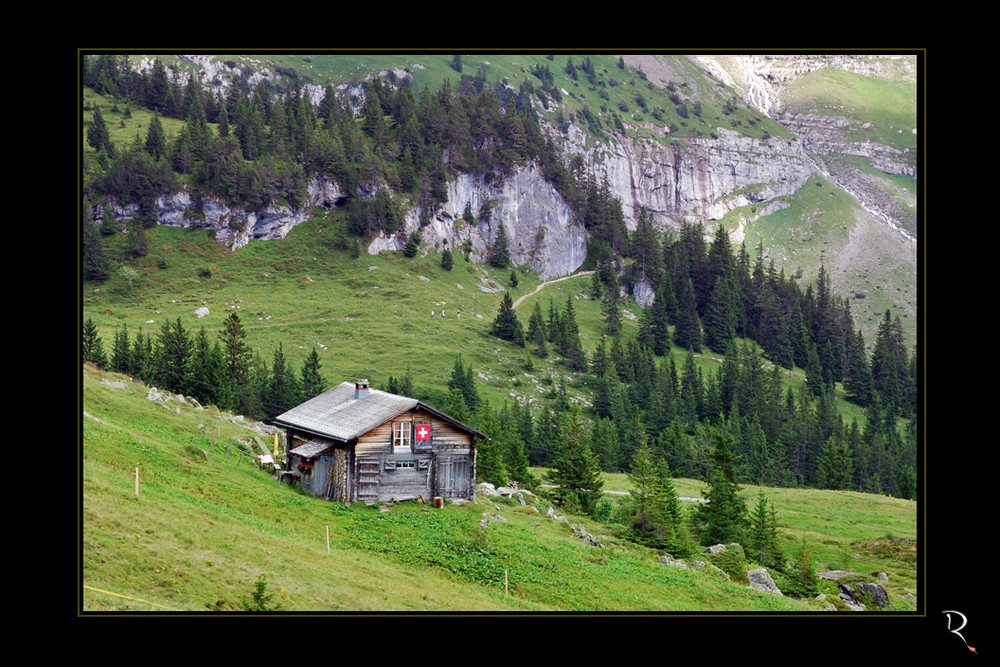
x: 732, y: 561
x: 260, y: 599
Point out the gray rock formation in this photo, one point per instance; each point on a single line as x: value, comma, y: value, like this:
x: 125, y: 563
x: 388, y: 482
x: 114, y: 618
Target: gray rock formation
x: 698, y: 179
x: 537, y: 221
x: 760, y: 580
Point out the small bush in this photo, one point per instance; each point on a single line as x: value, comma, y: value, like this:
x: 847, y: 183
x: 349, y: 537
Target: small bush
x: 732, y: 561
x: 260, y: 599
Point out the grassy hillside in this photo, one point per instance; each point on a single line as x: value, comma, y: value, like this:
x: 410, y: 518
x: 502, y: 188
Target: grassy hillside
x: 205, y: 526
x: 368, y: 316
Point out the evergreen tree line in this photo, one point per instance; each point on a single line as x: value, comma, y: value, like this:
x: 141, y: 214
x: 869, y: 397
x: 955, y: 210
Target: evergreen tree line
x: 264, y: 142
x: 782, y: 437
x: 224, y: 371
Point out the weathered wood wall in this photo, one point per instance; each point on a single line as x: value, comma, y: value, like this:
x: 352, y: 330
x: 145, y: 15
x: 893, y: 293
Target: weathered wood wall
x: 373, y: 471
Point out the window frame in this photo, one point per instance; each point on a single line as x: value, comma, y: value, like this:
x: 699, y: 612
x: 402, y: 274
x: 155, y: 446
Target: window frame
x: 402, y: 437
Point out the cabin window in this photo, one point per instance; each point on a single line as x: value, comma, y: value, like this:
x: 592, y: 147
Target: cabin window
x: 405, y: 464
x: 401, y: 436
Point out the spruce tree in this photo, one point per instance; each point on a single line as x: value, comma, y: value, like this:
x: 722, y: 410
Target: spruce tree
x: 173, y: 356
x: 687, y: 332
x: 490, y: 453
x: 156, y: 141
x: 98, y: 136
x: 93, y: 346
x: 95, y: 262
x: 723, y: 518
x: 205, y: 361
x: 499, y: 254
x: 236, y: 366
x: 282, y: 391
x: 570, y: 345
x: 506, y: 325
x: 121, y: 351
x: 575, y: 471
x: 536, y: 331
x: 312, y: 382
x: 762, y: 537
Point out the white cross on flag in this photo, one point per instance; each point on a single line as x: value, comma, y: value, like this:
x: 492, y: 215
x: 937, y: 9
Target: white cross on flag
x: 423, y: 431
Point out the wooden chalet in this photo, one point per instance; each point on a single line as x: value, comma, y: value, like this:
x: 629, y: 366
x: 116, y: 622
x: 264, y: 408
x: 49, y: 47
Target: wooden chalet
x: 354, y: 443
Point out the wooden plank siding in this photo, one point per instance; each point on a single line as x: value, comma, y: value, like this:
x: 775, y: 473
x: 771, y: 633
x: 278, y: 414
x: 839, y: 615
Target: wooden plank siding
x: 413, y: 473
x: 370, y: 469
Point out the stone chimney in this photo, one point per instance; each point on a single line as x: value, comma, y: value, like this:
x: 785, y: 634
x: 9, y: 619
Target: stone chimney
x: 360, y: 388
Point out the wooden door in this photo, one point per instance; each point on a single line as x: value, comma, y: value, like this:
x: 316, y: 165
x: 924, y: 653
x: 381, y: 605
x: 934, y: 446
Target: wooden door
x: 453, y: 477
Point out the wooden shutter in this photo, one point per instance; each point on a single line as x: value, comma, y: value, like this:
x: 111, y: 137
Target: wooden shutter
x: 368, y: 478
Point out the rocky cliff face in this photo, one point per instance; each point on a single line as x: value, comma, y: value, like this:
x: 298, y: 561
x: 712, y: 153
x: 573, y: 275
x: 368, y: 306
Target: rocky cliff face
x: 688, y: 180
x: 698, y: 179
x: 539, y: 225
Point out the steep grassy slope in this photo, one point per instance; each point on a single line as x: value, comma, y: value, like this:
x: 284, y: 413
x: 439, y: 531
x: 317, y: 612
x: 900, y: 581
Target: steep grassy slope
x: 205, y: 526
x: 368, y: 316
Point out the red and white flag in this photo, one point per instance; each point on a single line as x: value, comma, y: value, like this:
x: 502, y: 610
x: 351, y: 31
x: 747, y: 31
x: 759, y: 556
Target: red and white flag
x: 423, y: 431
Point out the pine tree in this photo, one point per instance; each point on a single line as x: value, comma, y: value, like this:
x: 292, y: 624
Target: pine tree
x: 236, y: 366
x: 575, y: 471
x: 723, y: 518
x: 834, y: 466
x: 282, y: 391
x: 506, y: 325
x: 806, y: 583
x: 762, y: 537
x: 95, y: 262
x: 642, y: 475
x: 569, y: 344
x: 446, y: 260
x: 612, y: 317
x: 121, y: 351
x: 205, y: 362
x: 312, y: 382
x: 490, y: 453
x: 659, y: 329
x: 173, y: 356
x: 499, y: 254
x: 156, y: 141
x: 98, y: 136
x: 687, y: 332
x: 721, y: 315
x: 536, y: 331
x: 93, y: 347
x: 512, y: 443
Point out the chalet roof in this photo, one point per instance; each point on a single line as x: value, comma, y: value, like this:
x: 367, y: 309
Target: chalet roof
x: 339, y: 415
x: 313, y: 447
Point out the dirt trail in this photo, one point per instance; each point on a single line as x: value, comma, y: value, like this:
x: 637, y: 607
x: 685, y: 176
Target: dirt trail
x: 546, y: 284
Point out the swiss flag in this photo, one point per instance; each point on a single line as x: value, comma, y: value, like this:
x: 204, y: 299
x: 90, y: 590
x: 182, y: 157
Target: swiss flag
x: 423, y: 431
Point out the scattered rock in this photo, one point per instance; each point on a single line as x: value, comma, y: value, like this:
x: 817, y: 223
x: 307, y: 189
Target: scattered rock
x: 201, y: 312
x: 668, y: 560
x: 760, y: 580
x: 878, y: 593
x: 585, y: 536
x: 833, y: 575
x: 116, y: 384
